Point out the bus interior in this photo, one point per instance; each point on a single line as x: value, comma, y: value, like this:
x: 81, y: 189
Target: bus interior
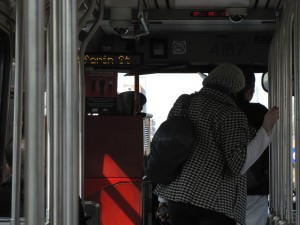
x: 64, y: 64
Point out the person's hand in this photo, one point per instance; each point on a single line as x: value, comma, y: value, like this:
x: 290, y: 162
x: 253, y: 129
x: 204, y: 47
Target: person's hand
x: 270, y: 119
x: 162, y: 212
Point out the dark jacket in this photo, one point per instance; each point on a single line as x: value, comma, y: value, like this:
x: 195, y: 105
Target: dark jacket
x: 211, y: 176
x: 258, y: 174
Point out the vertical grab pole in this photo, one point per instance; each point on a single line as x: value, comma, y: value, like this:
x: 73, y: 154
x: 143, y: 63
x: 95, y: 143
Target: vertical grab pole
x: 55, y: 77
x: 276, y: 148
x: 280, y: 146
x: 285, y: 125
x: 297, y: 109
x: 277, y: 133
x: 273, y: 100
x: 81, y: 90
x: 274, y: 79
x: 49, y: 108
x: 56, y: 74
x: 18, y: 112
x: 289, y: 122
x: 70, y: 112
x: 34, y: 60
x: 271, y: 70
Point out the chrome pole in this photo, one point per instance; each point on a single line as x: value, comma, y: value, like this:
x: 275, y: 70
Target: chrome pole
x: 275, y: 101
x: 49, y: 112
x: 297, y: 108
x: 278, y: 142
x: 70, y: 112
x: 279, y: 136
x: 57, y: 74
x: 18, y: 112
x: 284, y: 125
x: 271, y: 70
x: 34, y: 111
x: 289, y: 121
x: 281, y: 178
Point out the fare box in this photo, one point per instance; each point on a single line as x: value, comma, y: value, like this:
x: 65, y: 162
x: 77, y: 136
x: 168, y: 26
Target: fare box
x: 101, y: 91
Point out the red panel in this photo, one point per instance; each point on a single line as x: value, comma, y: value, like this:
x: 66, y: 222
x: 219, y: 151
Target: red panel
x: 120, y: 200
x: 114, y: 167
x: 114, y: 146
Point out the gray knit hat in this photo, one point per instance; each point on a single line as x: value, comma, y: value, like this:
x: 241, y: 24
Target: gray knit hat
x: 228, y: 76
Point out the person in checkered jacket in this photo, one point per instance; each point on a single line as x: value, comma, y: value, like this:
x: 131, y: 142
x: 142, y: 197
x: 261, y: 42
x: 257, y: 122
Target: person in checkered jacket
x: 211, y: 187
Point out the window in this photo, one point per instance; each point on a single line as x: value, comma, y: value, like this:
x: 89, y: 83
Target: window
x: 161, y: 91
x: 260, y: 95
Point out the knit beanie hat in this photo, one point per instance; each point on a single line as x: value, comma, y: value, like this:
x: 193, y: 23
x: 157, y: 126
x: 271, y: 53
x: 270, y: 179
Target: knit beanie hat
x: 228, y: 76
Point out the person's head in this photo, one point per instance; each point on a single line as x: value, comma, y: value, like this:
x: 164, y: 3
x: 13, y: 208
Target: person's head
x: 125, y: 102
x: 249, y: 89
x: 246, y: 94
x: 226, y: 76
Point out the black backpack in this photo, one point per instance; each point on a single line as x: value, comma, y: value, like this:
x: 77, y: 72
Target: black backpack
x: 171, y: 146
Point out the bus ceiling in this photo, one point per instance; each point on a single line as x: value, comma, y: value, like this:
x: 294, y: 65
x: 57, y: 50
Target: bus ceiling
x: 173, y: 15
x: 178, y: 34
x: 186, y: 35
x: 121, y: 18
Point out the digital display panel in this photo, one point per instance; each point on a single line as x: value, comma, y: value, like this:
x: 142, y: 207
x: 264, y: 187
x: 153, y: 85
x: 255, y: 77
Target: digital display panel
x: 209, y: 13
x: 112, y: 59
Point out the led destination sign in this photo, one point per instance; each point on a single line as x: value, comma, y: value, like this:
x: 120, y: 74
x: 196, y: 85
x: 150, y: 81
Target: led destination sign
x: 209, y: 14
x: 112, y: 59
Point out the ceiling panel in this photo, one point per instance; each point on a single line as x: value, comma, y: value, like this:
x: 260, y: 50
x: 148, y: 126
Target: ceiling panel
x: 205, y: 26
x: 175, y: 19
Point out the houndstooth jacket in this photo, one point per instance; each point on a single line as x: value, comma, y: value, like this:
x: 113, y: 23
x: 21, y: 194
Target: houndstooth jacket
x: 211, y: 177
